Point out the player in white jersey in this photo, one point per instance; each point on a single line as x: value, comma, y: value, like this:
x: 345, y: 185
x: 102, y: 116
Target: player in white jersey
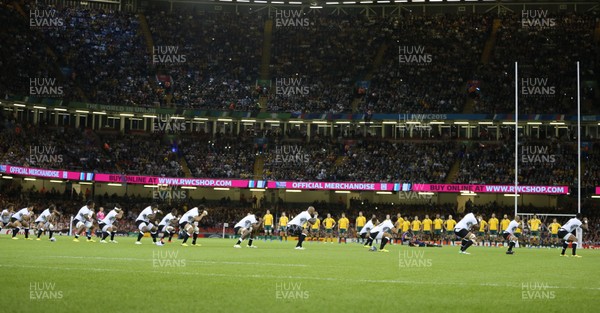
x: 364, y: 232
x: 83, y: 221
x: 107, y: 224
x: 47, y: 220
x: 567, y: 233
x: 21, y: 219
x: 6, y: 215
x: 247, y: 227
x: 509, y: 234
x: 144, y: 222
x: 189, y: 224
x: 167, y: 225
x: 462, y: 230
x: 307, y: 217
x: 385, y: 231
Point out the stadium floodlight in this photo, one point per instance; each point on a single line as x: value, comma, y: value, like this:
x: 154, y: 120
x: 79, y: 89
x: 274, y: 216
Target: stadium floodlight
x: 426, y: 193
x: 257, y: 190
x: 508, y: 123
x: 150, y: 186
x: 115, y: 184
x: 383, y: 192
x: 29, y: 179
x: 557, y: 123
x: 596, y: 196
x: 413, y: 122
x: 245, y: 1
x: 349, y: 2
x: 259, y: 1
x: 296, y: 122
x: 221, y: 189
x: 60, y: 109
x: 19, y: 105
x: 277, y: 2
x: 177, y: 118
x: 189, y: 187
x: 224, y: 120
x: 534, y: 123
x: 39, y: 107
x: 99, y: 113
x: 293, y: 190
x: 248, y: 121
x: 56, y: 181
x: 366, y: 2
x: 389, y: 122
x: 384, y: 1
x: 272, y: 121
x: 485, y: 123
x: 126, y: 114
x: 342, y: 191
x: 7, y: 177
x: 82, y: 111
x: 85, y: 183
x: 319, y: 122
x: 150, y: 116
x: 200, y: 119
x: 332, y: 2
x: 295, y: 2
x: 511, y: 195
x: 461, y: 123
x: 342, y: 122
x: 436, y: 123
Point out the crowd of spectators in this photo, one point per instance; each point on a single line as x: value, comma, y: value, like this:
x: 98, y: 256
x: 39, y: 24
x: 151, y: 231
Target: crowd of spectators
x: 104, y: 56
x: 447, y: 49
x: 549, y: 162
x: 548, y: 52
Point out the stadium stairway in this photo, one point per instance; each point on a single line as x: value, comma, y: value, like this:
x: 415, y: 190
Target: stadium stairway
x: 486, y: 56
x: 184, y: 166
x: 453, y: 173
x: 376, y: 64
x: 266, y: 61
x: 259, y: 164
x: 145, y: 28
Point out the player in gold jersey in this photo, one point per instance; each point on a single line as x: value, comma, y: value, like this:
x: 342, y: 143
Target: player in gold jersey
x: 283, y: 221
x: 534, y: 227
x: 343, y: 224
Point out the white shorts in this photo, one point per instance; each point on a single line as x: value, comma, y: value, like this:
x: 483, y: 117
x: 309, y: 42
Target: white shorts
x: 105, y: 228
x: 87, y: 225
x: 145, y: 224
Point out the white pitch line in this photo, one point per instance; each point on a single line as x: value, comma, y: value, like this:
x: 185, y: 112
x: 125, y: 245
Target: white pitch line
x: 190, y: 261
x: 333, y: 279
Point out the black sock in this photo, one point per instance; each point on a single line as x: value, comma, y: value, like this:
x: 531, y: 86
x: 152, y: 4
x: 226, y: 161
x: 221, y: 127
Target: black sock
x: 112, y: 235
x: 15, y: 231
x: 468, y: 244
x: 50, y: 234
x: 89, y: 235
x: 26, y: 233
x: 383, y: 242
x: 194, y: 237
x: 565, y: 246
x: 140, y: 235
x: 239, y: 241
x: 300, y: 240
x: 463, y: 245
x: 250, y: 242
x: 76, y: 236
x: 171, y: 236
x: 39, y: 233
x: 574, y: 245
x: 104, y: 235
x: 369, y: 242
x: 511, y: 245
x: 153, y: 236
x: 185, y: 237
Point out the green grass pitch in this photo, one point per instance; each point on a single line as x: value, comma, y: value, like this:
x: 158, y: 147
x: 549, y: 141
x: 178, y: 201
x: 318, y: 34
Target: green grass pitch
x: 64, y: 276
